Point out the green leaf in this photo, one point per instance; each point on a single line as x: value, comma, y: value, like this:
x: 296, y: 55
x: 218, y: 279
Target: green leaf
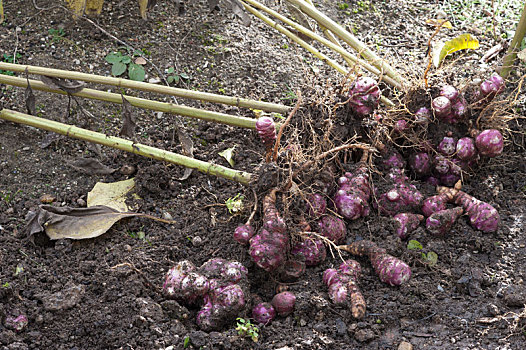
x: 228, y: 154
x: 184, y: 76
x: 136, y: 72
x: 414, y: 245
x: 461, y: 42
x: 186, y: 342
x: 118, y: 68
x: 171, y: 70
x: 170, y: 79
x: 113, y: 57
x: 432, y: 258
x: 126, y: 59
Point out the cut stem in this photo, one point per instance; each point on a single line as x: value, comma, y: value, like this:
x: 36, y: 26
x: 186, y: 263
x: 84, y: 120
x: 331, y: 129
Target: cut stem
x: 139, y: 102
x: 137, y: 85
x: 350, y: 39
x: 126, y: 145
x: 511, y: 55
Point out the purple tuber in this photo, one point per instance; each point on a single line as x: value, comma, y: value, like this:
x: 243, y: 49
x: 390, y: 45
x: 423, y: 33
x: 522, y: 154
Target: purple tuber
x: 266, y: 128
x: 263, y: 313
x: 244, y: 233
x: 434, y: 203
x: 405, y: 223
x: 465, y: 148
x: 343, y: 286
x: 423, y: 116
x: 284, y: 303
x: 441, y: 222
x: 333, y: 228
x: 420, y: 163
x: 316, y: 204
x: 490, y: 143
x: 447, y: 146
x: 312, y: 251
x: 364, y: 96
x: 352, y: 197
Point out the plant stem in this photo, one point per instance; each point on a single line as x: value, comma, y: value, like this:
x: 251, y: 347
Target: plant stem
x: 137, y: 85
x: 350, y: 39
x: 126, y: 145
x: 511, y: 55
x: 139, y: 102
x: 305, y: 45
x: 351, y: 59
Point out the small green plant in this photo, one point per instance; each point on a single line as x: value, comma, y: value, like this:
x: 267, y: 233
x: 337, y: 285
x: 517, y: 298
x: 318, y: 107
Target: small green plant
x: 431, y: 258
x: 174, y: 77
x: 245, y: 328
x: 140, y: 235
x: 290, y: 94
x: 122, y: 63
x: 343, y: 6
x: 186, y: 342
x: 5, y: 285
x: 9, y: 59
x: 235, y: 204
x: 56, y: 34
x: 9, y: 196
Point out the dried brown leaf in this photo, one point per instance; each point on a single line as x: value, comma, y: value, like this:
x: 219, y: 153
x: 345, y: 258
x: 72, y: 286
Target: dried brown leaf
x: 91, y: 166
x: 129, y: 124
x: 70, y: 86
x: 29, y: 98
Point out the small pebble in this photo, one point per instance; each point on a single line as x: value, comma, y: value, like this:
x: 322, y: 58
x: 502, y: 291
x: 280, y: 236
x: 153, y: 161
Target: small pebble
x: 47, y: 198
x: 167, y: 216
x: 405, y: 346
x: 441, y: 14
x: 10, y: 211
x: 81, y: 202
x: 127, y: 169
x: 197, y: 241
x: 128, y: 248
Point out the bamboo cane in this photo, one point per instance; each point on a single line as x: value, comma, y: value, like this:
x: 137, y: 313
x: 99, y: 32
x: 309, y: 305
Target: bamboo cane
x: 137, y: 85
x: 350, y: 39
x: 511, y: 55
x: 126, y: 145
x: 333, y: 46
x: 138, y: 102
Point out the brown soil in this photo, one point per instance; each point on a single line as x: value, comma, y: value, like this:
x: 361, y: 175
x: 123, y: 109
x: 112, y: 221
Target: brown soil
x: 103, y: 293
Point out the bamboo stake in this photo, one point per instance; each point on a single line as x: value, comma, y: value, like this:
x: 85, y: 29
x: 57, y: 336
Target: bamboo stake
x: 137, y: 85
x: 126, y: 145
x: 333, y: 46
x: 511, y: 55
x: 139, y: 102
x: 305, y: 45
x: 350, y: 39
x: 296, y: 38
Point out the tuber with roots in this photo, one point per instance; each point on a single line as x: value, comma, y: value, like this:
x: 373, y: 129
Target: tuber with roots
x: 354, y: 190
x: 421, y: 163
x: 450, y: 106
x: 364, y: 96
x: 243, y: 233
x: 284, y: 303
x: 490, y: 143
x: 447, y: 146
x: 401, y: 197
x: 268, y: 248
x: 490, y: 88
x: 316, y: 204
x: 263, y: 313
x: 423, y: 116
x: 405, y: 223
x: 311, y: 251
x: 333, y: 228
x: 266, y: 128
x: 389, y: 269
x: 434, y: 203
x: 440, y: 222
x: 482, y: 215
x: 343, y: 286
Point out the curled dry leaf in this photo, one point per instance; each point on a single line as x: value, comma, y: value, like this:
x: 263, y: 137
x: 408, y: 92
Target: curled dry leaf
x: 91, y: 166
x: 70, y: 86
x: 129, y: 123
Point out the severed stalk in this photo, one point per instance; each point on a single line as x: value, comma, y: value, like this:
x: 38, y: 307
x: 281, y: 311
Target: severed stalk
x: 511, y: 55
x: 351, y: 59
x: 305, y: 45
x: 126, y: 145
x: 350, y: 39
x: 138, y: 102
x: 137, y: 85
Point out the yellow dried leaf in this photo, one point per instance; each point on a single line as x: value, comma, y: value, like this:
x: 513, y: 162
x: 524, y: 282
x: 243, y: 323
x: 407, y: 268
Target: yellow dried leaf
x: 461, y: 42
x: 1, y: 11
x: 112, y: 194
x: 94, y: 7
x: 77, y: 6
x: 437, y: 22
x: 143, y: 8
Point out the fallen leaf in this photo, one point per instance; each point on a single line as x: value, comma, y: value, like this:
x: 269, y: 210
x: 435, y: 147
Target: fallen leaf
x: 143, y: 8
x: 1, y: 11
x: 94, y: 7
x: 140, y: 60
x: 438, y: 22
x: 491, y: 53
x: 49, y: 138
x: 237, y: 7
x: 74, y: 223
x: 70, y: 86
x: 29, y: 97
x: 228, y: 154
x: 129, y: 124
x: 47, y: 198
x: 112, y: 194
x: 187, y: 144
x: 522, y: 55
x: 91, y: 166
x: 461, y: 42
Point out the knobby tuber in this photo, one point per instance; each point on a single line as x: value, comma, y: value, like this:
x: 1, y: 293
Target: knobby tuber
x: 311, y: 251
x: 343, y: 286
x: 316, y: 204
x: 263, y: 313
x: 244, y: 233
x: 482, y: 215
x: 268, y: 248
x: 389, y: 269
x: 434, y: 203
x: 490, y: 143
x: 352, y: 197
x: 266, y: 128
x: 333, y: 228
x: 440, y: 222
x: 466, y: 149
x: 405, y: 223
x: 450, y: 106
x: 401, y: 197
x: 364, y: 96
x: 490, y: 88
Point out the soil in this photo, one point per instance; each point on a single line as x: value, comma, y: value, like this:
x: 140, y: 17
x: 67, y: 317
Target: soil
x: 104, y: 293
